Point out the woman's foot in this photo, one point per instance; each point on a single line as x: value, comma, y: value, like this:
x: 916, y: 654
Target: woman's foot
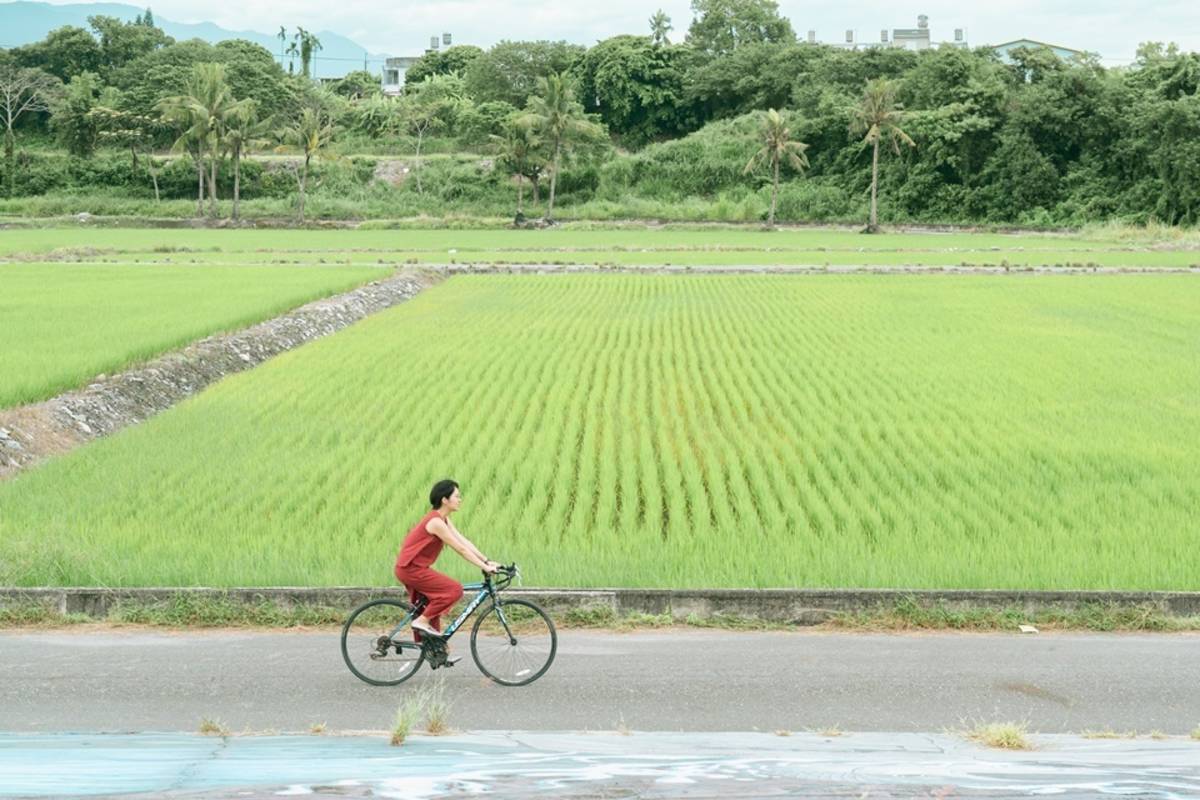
x: 425, y: 629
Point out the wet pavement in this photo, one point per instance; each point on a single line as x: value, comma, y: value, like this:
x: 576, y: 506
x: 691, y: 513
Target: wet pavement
x: 592, y: 765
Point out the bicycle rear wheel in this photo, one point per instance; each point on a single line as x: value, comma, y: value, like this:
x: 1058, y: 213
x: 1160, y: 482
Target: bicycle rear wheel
x: 369, y: 650
x: 513, y: 642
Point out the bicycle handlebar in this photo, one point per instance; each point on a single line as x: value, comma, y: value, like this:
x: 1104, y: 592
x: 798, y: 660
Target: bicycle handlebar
x: 507, y: 574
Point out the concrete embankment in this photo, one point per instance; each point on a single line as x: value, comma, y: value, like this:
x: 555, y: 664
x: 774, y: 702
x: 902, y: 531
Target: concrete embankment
x: 790, y: 606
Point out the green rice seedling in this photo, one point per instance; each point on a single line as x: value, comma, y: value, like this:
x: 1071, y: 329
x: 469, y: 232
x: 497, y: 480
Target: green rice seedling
x: 64, y: 324
x: 646, y: 430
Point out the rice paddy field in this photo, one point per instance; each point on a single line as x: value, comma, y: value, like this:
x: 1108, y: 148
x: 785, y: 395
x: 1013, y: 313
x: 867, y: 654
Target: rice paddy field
x: 634, y: 246
x: 61, y: 324
x: 925, y: 431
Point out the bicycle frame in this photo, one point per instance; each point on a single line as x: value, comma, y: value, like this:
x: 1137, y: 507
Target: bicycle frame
x: 485, y: 591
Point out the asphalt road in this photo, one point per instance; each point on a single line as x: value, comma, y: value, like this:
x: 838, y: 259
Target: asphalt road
x: 677, y: 680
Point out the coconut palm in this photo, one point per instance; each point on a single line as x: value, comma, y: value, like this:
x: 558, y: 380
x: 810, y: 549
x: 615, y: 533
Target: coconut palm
x: 777, y: 147
x: 309, y: 134
x: 558, y: 118
x: 877, y: 117
x: 519, y: 148
x: 309, y: 44
x: 243, y: 130
x: 200, y: 112
x: 660, y: 26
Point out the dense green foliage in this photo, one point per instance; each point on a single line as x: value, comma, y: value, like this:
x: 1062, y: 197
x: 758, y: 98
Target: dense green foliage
x: 673, y: 431
x: 1037, y: 142
x: 66, y: 323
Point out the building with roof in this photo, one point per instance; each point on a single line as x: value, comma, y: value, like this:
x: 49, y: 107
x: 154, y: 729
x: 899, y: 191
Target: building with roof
x: 1005, y: 49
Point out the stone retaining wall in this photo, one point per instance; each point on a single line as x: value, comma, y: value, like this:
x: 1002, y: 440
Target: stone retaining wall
x: 794, y: 606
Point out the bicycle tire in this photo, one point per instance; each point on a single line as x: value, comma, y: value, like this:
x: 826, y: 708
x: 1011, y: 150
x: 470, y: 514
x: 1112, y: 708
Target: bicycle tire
x: 526, y: 666
x: 366, y: 643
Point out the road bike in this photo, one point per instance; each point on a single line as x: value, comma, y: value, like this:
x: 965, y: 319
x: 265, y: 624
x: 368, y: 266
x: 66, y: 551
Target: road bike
x: 513, y: 642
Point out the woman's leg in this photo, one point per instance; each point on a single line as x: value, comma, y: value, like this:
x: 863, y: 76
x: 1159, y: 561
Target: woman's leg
x: 440, y: 590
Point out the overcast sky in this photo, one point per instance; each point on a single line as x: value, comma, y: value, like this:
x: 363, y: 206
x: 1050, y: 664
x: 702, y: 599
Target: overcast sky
x: 1112, y: 28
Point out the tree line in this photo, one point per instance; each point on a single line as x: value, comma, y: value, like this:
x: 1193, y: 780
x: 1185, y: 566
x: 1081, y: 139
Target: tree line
x: 946, y: 134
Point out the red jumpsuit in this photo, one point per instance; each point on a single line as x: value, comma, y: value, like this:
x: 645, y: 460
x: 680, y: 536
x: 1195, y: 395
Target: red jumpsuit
x: 413, y: 568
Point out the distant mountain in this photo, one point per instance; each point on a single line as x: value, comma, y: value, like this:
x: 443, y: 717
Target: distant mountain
x: 24, y: 22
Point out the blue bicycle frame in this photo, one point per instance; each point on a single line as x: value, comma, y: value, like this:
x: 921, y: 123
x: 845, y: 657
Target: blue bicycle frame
x: 485, y: 590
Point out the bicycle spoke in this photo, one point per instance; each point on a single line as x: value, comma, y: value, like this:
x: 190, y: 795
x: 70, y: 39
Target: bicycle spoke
x: 367, y: 646
x: 503, y: 660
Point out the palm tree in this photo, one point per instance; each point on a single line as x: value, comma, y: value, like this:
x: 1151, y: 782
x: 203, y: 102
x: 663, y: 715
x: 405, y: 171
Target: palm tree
x: 309, y: 133
x: 201, y: 113
x: 556, y: 116
x: 243, y: 130
x: 309, y: 44
x: 777, y: 146
x: 660, y: 26
x: 282, y: 37
x: 293, y: 51
x: 878, y: 116
x: 518, y: 149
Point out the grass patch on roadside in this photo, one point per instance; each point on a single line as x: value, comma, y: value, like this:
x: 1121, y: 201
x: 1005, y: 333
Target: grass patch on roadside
x: 1001, y: 735
x: 911, y: 615
x: 224, y: 611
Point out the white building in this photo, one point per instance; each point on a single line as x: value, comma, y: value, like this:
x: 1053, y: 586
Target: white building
x: 917, y: 38
x: 393, y: 74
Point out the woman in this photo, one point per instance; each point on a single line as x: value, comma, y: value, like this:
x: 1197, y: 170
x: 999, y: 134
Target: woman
x: 422, y: 546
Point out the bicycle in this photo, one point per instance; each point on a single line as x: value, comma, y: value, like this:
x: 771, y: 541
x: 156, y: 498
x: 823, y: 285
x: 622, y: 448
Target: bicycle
x: 513, y: 642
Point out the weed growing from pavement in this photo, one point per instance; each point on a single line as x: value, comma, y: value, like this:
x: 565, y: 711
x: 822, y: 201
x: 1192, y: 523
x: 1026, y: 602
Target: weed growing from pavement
x: 317, y: 728
x: 213, y: 727
x: 407, y: 715
x: 1108, y: 733
x: 437, y: 707
x: 1001, y: 735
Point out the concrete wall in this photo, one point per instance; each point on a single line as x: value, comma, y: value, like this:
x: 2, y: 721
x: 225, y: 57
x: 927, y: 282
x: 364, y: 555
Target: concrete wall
x: 795, y: 606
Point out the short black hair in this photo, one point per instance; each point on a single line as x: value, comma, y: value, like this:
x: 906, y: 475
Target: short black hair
x: 440, y: 491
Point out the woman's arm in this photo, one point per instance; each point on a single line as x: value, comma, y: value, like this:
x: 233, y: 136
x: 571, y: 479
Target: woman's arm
x: 470, y: 545
x: 464, y: 548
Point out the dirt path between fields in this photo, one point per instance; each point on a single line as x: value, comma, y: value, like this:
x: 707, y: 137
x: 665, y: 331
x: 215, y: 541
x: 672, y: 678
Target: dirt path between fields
x: 32, y: 433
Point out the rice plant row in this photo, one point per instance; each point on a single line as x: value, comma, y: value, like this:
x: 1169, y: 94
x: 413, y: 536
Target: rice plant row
x: 586, y: 246
x: 63, y: 324
x: 673, y: 431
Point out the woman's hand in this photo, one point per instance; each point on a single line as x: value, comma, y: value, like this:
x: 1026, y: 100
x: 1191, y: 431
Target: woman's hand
x: 490, y: 567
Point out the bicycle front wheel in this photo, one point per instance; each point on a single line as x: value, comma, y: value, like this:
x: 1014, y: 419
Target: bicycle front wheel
x: 369, y: 649
x: 513, y: 642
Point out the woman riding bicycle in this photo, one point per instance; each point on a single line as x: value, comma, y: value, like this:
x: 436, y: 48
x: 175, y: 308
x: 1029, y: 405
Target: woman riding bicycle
x: 421, y: 548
